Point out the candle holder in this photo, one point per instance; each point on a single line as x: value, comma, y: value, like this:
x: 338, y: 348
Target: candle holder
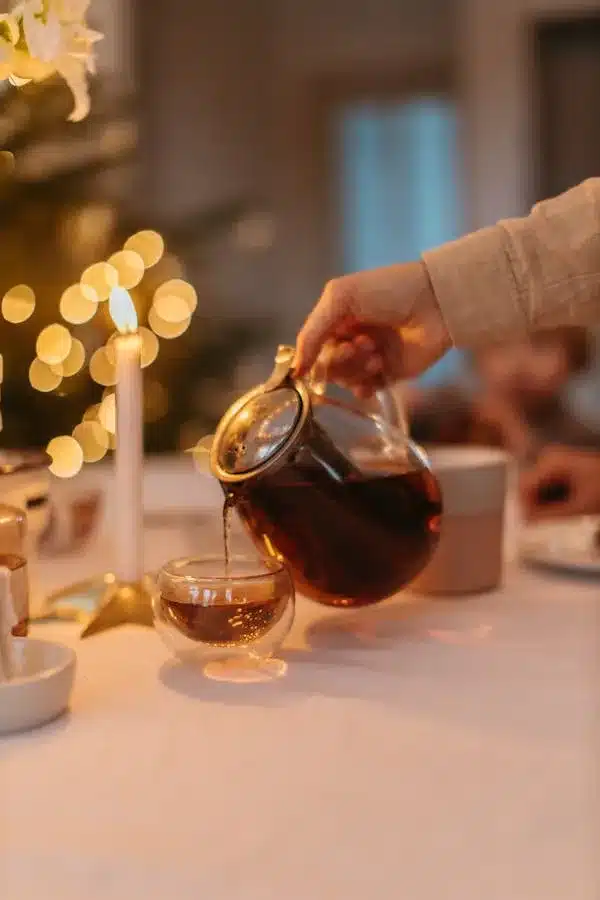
x: 123, y: 604
x: 125, y: 597
x: 76, y: 602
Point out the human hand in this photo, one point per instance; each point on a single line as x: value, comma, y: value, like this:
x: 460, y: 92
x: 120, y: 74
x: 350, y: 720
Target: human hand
x: 496, y: 414
x: 570, y: 476
x: 373, y: 328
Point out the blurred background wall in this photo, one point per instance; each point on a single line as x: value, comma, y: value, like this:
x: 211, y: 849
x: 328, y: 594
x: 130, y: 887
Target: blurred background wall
x: 249, y: 105
x: 235, y: 105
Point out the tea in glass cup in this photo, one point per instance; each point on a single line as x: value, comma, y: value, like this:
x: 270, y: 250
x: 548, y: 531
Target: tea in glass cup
x: 230, y: 616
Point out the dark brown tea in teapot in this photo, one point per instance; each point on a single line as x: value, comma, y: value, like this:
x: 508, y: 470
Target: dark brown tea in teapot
x: 346, y: 543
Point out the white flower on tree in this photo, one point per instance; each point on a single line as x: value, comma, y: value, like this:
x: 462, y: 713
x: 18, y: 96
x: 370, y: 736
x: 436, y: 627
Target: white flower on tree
x: 41, y: 38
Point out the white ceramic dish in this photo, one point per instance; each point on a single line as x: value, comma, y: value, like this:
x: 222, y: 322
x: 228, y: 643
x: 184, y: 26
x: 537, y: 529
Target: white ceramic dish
x: 565, y: 545
x: 42, y: 690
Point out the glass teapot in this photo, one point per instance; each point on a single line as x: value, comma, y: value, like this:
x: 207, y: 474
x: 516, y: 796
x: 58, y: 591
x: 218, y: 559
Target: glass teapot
x: 342, y: 496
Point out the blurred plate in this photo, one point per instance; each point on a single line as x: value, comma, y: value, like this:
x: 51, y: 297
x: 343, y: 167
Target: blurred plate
x: 567, y: 545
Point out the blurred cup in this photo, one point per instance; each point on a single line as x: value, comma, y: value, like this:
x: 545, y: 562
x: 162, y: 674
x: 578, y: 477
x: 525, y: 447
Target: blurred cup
x: 25, y: 484
x: 469, y: 556
x: 72, y: 522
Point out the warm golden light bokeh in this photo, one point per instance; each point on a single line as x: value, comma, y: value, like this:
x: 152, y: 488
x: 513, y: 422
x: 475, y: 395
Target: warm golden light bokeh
x: 18, y: 304
x: 93, y: 440
x: 167, y: 330
x: 53, y: 344
x: 78, y: 304
x: 201, y: 454
x: 107, y: 414
x: 91, y: 413
x: 102, y: 368
x: 102, y: 278
x: 171, y: 297
x: 75, y: 360
x: 171, y: 308
x: 7, y: 163
x: 147, y: 244
x: 44, y: 378
x: 150, y: 346
x: 129, y: 266
x: 67, y: 456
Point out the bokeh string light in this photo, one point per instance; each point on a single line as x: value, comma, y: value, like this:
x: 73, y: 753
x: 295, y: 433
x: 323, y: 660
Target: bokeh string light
x: 102, y: 368
x: 78, y: 304
x: 129, y: 267
x: 101, y: 278
x: 147, y: 244
x: 67, y: 456
x: 18, y: 304
x: 201, y: 453
x: 54, y: 344
x: 150, y: 346
x: 1, y: 381
x: 7, y: 164
x: 75, y: 361
x: 166, y: 330
x: 91, y: 413
x: 175, y: 300
x: 93, y: 440
x: 61, y: 355
x: 107, y: 414
x: 44, y: 378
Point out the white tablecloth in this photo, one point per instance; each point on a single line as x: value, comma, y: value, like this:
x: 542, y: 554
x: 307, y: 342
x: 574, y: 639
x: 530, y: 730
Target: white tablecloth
x: 427, y: 751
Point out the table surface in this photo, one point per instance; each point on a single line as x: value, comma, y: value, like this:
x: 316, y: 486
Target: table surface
x: 415, y: 750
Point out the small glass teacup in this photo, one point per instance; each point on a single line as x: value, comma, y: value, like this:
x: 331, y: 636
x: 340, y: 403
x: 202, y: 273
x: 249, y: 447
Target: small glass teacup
x: 230, y: 617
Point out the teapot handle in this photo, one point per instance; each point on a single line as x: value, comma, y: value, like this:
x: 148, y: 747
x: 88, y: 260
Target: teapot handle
x: 390, y: 406
x: 391, y: 409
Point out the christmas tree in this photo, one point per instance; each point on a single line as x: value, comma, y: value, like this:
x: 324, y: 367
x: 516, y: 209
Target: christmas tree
x: 62, y: 209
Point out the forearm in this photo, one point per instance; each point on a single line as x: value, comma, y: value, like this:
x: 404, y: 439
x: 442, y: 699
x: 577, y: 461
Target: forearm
x: 523, y: 274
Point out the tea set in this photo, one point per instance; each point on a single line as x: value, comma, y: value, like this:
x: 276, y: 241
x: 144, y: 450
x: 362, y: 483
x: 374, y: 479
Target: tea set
x: 340, y: 505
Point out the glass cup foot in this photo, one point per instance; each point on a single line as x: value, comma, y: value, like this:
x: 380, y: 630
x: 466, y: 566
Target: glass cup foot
x: 245, y: 671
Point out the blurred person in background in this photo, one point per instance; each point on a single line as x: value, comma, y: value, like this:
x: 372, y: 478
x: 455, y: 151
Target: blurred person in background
x: 516, y: 398
x: 495, y: 286
x: 564, y: 481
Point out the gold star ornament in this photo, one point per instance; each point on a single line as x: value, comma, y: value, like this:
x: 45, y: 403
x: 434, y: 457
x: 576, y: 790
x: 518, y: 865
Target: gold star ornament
x: 123, y: 604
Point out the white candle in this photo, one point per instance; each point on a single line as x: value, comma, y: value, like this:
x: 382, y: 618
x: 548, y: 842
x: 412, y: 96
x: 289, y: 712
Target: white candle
x: 129, y: 453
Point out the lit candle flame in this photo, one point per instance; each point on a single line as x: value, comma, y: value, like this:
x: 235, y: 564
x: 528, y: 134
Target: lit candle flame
x: 122, y: 310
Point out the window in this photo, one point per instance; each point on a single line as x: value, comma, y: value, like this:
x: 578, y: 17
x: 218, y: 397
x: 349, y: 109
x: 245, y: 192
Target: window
x: 398, y: 188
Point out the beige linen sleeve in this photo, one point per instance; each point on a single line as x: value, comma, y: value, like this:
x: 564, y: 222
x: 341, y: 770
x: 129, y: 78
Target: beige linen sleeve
x: 523, y: 274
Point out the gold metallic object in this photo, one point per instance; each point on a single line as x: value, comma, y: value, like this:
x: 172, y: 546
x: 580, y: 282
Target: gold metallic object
x: 261, y: 428
x: 77, y: 602
x: 98, y: 604
x: 123, y: 604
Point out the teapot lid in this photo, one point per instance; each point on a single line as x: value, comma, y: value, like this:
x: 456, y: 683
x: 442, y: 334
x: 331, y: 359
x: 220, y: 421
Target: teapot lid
x: 261, y: 427
x: 258, y: 428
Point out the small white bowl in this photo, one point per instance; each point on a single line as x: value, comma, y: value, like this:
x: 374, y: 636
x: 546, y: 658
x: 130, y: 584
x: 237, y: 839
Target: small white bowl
x: 42, y: 691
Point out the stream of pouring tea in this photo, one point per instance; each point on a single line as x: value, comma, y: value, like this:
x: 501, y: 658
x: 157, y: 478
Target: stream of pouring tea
x: 228, y: 505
